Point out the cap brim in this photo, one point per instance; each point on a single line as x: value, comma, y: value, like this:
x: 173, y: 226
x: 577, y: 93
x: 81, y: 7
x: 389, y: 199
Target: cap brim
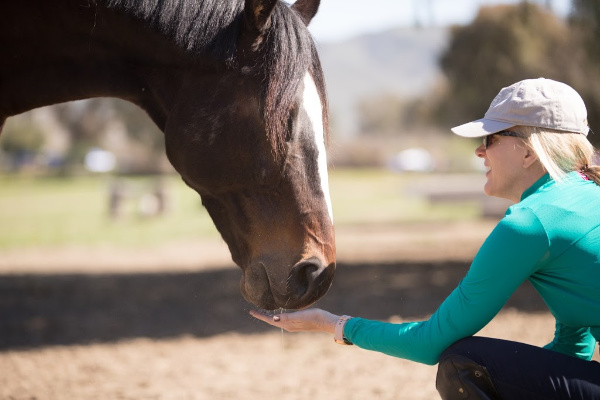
x: 481, y: 127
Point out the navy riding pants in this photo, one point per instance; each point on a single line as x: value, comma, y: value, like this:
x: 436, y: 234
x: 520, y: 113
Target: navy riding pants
x: 485, y: 368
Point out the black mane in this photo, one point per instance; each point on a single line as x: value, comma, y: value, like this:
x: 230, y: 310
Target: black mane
x: 201, y: 27
x: 212, y: 27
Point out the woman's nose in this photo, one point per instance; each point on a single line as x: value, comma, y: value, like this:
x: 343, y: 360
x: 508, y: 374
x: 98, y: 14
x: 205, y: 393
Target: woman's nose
x: 480, y: 151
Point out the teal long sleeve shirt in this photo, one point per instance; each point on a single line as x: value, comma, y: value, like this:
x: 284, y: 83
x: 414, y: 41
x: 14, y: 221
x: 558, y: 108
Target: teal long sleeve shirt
x: 552, y: 238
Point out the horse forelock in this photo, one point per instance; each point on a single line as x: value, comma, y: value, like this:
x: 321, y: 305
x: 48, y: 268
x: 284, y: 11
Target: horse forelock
x: 212, y: 27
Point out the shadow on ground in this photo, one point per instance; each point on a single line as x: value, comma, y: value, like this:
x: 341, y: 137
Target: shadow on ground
x: 39, y: 310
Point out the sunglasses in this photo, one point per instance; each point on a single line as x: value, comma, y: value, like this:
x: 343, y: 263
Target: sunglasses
x: 487, y: 139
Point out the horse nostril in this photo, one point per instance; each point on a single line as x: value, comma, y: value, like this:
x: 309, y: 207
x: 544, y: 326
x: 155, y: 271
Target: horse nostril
x: 309, y: 281
x: 304, y: 274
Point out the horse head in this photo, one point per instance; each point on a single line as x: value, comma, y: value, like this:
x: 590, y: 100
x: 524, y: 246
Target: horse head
x: 250, y: 140
x: 238, y: 90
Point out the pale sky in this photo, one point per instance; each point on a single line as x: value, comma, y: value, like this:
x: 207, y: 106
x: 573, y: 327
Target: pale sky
x: 343, y: 19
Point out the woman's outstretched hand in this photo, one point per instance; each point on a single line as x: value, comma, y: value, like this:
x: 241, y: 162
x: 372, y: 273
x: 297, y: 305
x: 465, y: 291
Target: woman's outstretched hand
x: 309, y: 320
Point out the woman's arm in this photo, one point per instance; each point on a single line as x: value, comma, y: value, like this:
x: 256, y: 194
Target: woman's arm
x: 510, y: 254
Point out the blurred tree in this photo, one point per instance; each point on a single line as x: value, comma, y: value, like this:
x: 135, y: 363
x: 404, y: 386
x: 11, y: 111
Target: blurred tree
x: 107, y: 123
x: 22, y: 137
x: 140, y: 127
x: 506, y: 44
x: 585, y: 23
x: 84, y: 121
x: 586, y: 16
x: 89, y: 121
x: 21, y: 141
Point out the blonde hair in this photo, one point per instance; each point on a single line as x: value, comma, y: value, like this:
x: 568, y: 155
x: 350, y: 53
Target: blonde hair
x: 561, y: 152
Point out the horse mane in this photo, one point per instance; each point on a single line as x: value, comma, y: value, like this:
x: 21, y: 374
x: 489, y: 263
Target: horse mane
x: 212, y: 27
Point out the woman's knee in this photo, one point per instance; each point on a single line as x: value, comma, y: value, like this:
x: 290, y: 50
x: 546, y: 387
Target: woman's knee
x: 460, y: 377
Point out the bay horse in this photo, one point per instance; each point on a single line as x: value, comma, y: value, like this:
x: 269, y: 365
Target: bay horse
x: 237, y: 88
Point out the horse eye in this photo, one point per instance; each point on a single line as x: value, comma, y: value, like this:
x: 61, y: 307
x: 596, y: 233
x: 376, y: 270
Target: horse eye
x: 262, y: 176
x: 290, y: 125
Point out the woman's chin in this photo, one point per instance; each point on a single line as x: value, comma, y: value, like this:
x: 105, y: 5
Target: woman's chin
x: 487, y: 189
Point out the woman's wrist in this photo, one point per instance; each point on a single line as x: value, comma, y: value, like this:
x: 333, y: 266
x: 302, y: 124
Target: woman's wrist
x: 338, y: 335
x: 329, y: 322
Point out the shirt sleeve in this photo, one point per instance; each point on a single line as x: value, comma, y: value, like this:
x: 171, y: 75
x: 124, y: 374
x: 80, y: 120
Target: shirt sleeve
x: 575, y: 342
x: 509, y: 255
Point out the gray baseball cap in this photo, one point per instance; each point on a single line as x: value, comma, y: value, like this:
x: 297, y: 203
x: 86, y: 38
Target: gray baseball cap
x: 541, y: 102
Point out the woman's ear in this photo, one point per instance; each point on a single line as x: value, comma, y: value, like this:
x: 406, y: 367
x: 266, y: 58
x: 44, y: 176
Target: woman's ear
x: 529, y: 158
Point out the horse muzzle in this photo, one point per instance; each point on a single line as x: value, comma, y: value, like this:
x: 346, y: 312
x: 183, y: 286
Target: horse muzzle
x: 305, y: 283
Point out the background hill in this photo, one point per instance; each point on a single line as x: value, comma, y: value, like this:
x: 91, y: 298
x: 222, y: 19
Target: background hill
x: 402, y: 62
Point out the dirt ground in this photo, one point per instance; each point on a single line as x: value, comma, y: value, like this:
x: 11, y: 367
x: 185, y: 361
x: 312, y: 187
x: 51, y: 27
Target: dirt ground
x: 91, y: 324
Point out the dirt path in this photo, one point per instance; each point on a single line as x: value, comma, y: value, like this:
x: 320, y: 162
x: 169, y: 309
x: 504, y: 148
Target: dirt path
x: 271, y: 365
x: 170, y: 324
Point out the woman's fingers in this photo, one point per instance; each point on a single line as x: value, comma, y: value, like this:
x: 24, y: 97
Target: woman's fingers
x: 263, y: 316
x: 289, y: 321
x: 312, y: 320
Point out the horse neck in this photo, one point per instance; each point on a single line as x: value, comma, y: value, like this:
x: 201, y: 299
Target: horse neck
x: 67, y: 50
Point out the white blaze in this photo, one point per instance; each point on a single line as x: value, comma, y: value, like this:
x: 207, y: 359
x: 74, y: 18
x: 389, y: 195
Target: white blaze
x: 312, y: 104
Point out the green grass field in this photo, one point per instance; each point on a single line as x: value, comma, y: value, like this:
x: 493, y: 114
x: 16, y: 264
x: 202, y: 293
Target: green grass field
x: 47, y: 212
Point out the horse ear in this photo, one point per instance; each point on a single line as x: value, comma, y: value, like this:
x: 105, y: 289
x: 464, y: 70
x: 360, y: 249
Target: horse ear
x: 258, y: 13
x: 306, y: 9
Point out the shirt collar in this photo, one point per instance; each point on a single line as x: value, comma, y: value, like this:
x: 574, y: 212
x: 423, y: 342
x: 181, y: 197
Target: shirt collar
x: 538, y: 184
x: 571, y: 176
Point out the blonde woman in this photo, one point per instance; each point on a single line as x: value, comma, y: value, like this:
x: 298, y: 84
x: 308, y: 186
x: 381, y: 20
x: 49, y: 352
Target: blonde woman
x: 536, y: 153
